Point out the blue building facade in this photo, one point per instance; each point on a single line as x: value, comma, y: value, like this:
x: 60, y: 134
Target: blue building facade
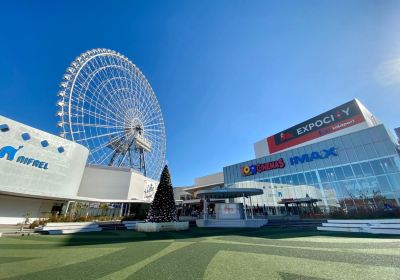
x: 358, y: 169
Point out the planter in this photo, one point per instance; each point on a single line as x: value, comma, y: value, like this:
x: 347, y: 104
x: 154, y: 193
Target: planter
x: 156, y: 227
x: 63, y: 228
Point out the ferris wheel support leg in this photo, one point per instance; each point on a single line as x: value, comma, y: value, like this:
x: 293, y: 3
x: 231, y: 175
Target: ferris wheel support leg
x: 113, y: 158
x: 144, y: 165
x: 130, y: 158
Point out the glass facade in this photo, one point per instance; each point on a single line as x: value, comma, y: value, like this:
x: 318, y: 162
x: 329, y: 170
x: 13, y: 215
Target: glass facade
x: 362, y: 170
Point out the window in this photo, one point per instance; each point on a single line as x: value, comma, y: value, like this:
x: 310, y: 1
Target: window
x: 348, y: 173
x: 309, y: 178
x: 377, y: 167
x: 328, y: 189
x: 44, y: 143
x: 357, y: 170
x: 330, y: 174
x: 4, y: 128
x: 350, y: 188
x: 60, y: 150
x: 314, y: 177
x: 302, y: 179
x: 25, y: 136
x: 388, y: 165
x: 276, y: 180
x: 295, y: 179
x: 285, y: 180
x: 366, y: 168
x: 339, y: 173
x: 384, y: 183
x: 322, y: 175
x: 394, y: 181
x: 339, y: 189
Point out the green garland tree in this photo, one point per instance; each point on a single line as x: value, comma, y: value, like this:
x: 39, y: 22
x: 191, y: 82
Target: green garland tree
x: 163, y: 209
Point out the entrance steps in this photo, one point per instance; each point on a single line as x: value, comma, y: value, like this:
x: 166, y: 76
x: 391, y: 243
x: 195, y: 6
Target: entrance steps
x: 112, y: 226
x: 300, y: 223
x: 65, y: 228
x: 380, y: 226
x: 214, y: 223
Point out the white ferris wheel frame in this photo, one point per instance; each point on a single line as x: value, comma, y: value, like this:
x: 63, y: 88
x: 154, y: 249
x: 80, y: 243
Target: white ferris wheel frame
x: 127, y: 114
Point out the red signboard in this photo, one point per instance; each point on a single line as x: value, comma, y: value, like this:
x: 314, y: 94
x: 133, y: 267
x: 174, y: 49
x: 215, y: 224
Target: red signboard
x: 339, y: 118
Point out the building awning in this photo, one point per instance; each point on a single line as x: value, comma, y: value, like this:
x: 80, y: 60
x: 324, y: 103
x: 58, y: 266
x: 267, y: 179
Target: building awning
x: 298, y: 200
x: 198, y: 188
x: 71, y: 198
x: 197, y: 201
x: 229, y: 193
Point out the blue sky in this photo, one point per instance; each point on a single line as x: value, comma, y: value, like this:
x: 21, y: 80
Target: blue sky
x: 226, y: 73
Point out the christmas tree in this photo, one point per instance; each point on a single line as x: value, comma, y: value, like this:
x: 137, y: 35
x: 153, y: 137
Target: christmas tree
x: 163, y: 209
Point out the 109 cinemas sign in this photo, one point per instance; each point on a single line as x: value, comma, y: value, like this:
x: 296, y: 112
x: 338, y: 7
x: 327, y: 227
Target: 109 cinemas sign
x: 280, y: 163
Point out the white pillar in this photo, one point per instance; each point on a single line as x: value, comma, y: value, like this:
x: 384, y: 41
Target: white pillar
x: 251, y: 208
x: 122, y: 207
x: 128, y: 210
x: 204, y: 208
x: 244, y: 208
x: 66, y: 209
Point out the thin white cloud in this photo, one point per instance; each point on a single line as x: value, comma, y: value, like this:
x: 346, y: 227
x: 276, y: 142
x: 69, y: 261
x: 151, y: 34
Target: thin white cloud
x: 388, y: 72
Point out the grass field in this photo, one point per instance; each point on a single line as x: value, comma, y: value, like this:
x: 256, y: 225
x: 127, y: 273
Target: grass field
x: 201, y: 254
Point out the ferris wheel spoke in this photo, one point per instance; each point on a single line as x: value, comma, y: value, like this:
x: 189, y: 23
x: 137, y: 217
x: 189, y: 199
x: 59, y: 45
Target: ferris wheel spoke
x: 127, y: 94
x: 153, y: 124
x: 149, y: 130
x: 121, y: 104
x: 96, y: 91
x: 108, y: 154
x: 117, y: 106
x: 99, y: 107
x: 153, y: 137
x: 105, y: 144
x: 104, y: 156
x: 149, y: 112
x: 94, y: 114
x: 150, y: 99
x: 100, y: 126
x: 102, y: 135
x: 156, y: 117
x: 123, y: 158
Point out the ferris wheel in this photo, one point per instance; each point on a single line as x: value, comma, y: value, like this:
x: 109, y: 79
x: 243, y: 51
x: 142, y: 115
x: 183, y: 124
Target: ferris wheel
x: 107, y: 105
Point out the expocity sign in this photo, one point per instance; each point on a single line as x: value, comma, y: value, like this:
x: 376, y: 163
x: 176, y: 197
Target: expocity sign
x: 261, y: 167
x: 341, y: 117
x: 9, y: 153
x: 325, y: 153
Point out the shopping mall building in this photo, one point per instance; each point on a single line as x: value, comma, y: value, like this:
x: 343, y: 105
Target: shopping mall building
x: 341, y: 159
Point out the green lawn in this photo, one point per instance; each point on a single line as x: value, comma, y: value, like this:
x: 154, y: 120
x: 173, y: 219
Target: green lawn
x: 202, y: 254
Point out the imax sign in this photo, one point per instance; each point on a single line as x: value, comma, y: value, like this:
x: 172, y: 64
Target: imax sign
x: 325, y: 153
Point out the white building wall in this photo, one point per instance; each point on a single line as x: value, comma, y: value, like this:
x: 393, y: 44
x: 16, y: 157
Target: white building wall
x: 369, y: 117
x: 105, y: 183
x: 13, y: 209
x: 142, y: 187
x: 116, y: 184
x: 64, y: 170
x: 212, y: 179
